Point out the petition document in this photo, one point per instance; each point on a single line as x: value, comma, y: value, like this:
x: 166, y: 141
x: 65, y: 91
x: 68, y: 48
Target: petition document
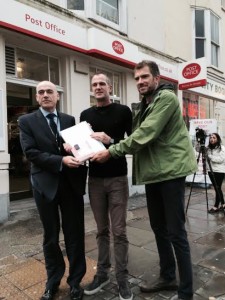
x: 83, y: 145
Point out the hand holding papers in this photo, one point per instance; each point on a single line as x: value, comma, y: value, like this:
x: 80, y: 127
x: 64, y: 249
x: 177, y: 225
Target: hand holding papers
x: 83, y: 145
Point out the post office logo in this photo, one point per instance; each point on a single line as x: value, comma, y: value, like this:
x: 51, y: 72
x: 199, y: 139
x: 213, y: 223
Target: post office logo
x: 118, y: 47
x: 191, y: 71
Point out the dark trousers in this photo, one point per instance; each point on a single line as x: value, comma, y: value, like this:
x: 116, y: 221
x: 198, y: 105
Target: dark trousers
x: 67, y: 209
x: 165, y: 201
x: 108, y: 199
x: 217, y: 180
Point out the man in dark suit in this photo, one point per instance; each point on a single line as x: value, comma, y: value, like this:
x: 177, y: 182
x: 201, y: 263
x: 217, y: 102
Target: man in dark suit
x: 58, y: 182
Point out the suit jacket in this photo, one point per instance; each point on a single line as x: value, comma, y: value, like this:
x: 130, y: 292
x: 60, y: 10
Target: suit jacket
x: 41, y: 149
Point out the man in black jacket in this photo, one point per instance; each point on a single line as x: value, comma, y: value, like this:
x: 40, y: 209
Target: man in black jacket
x: 58, y: 182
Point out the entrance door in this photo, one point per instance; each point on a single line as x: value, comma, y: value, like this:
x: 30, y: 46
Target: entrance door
x: 20, y: 100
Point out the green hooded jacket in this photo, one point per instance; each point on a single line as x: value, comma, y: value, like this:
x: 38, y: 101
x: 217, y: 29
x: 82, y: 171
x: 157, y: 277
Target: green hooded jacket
x: 160, y: 141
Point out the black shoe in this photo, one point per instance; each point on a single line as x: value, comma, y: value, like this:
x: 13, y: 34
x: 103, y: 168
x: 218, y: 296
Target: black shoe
x: 76, y: 293
x: 124, y: 291
x: 213, y: 210
x: 159, y: 285
x: 49, y: 294
x: 96, y: 285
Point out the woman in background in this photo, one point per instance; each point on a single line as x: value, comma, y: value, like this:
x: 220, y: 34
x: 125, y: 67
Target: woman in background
x: 216, y: 156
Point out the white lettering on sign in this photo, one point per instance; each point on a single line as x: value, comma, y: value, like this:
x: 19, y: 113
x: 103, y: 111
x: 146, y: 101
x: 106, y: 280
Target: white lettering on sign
x: 191, y: 71
x: 44, y: 24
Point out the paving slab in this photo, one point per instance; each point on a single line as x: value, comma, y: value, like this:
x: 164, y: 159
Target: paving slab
x: 22, y: 271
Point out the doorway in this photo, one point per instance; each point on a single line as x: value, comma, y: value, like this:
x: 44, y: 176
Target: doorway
x: 20, y: 100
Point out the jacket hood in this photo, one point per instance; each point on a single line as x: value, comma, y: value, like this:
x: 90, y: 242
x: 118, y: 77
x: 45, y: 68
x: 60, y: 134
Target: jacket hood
x: 164, y: 86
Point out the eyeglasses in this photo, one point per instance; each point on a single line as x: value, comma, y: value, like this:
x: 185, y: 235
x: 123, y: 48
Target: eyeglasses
x: 48, y: 91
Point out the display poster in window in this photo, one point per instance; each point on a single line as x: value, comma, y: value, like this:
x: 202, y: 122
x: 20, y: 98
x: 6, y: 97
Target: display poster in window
x: 83, y: 145
x: 199, y: 131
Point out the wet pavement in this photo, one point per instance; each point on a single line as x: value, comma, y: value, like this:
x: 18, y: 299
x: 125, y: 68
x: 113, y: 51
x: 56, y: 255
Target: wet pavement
x: 22, y: 270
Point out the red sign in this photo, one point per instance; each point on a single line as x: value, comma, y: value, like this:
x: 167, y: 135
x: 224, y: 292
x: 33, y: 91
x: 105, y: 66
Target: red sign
x: 193, y: 84
x: 191, y: 71
x: 192, y: 74
x: 118, y: 47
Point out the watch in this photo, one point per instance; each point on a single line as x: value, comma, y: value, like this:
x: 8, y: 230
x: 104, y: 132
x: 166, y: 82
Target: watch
x: 111, y: 141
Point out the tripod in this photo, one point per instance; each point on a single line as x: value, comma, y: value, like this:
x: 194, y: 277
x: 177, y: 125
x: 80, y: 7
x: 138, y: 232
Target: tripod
x: 203, y: 153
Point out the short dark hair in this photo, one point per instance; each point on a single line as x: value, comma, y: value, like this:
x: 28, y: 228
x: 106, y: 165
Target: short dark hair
x: 153, y: 67
x: 102, y: 73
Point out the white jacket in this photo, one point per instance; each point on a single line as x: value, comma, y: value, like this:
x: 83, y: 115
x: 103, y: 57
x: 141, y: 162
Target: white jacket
x: 217, y: 159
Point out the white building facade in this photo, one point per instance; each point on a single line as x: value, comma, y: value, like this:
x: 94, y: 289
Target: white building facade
x: 66, y: 41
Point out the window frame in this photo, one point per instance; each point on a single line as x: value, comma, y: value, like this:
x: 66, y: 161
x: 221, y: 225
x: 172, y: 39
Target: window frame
x: 90, y: 12
x: 208, y: 42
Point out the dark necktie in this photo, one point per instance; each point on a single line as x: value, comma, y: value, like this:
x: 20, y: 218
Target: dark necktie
x: 53, y: 126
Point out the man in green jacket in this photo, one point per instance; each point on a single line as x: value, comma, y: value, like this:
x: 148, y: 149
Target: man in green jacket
x: 162, y: 157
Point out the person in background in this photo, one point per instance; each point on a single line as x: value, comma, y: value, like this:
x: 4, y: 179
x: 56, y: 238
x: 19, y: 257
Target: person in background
x: 162, y: 157
x: 216, y: 157
x: 108, y: 187
x: 58, y: 182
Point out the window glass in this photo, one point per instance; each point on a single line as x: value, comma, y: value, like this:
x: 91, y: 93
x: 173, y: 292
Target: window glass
x: 35, y: 66
x: 190, y: 107
x: 214, y: 39
x: 204, y: 108
x: 108, y: 9
x: 214, y: 55
x: 199, y: 23
x: 199, y: 34
x: 196, y: 107
x: 75, y: 4
x: 199, y: 48
x: 54, y: 70
x: 116, y: 85
x: 31, y: 65
x: 214, y: 29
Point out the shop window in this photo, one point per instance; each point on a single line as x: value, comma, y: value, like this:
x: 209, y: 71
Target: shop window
x: 196, y: 107
x: 24, y: 64
x: 112, y: 13
x: 115, y: 79
x: 207, y: 42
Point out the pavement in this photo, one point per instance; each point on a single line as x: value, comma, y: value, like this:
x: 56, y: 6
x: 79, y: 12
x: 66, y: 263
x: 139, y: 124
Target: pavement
x: 22, y: 269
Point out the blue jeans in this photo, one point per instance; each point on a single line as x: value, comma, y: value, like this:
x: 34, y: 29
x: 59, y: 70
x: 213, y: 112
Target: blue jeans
x: 108, y: 200
x: 165, y: 201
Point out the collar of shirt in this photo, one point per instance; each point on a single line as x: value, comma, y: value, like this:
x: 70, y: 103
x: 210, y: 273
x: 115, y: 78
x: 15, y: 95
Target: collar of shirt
x: 45, y: 112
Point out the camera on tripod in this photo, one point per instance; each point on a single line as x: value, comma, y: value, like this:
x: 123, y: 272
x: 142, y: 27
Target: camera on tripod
x: 200, y: 135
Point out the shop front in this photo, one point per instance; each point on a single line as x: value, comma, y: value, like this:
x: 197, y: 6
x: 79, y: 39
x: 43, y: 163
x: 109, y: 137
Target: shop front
x: 34, y: 51
x: 206, y: 102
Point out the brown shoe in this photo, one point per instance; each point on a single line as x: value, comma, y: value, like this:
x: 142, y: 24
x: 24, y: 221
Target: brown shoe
x: 159, y: 285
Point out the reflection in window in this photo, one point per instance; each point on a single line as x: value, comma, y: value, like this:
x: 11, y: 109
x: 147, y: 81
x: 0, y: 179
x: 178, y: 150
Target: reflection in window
x: 196, y: 107
x: 75, y: 4
x: 108, y: 9
x: 35, y: 66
